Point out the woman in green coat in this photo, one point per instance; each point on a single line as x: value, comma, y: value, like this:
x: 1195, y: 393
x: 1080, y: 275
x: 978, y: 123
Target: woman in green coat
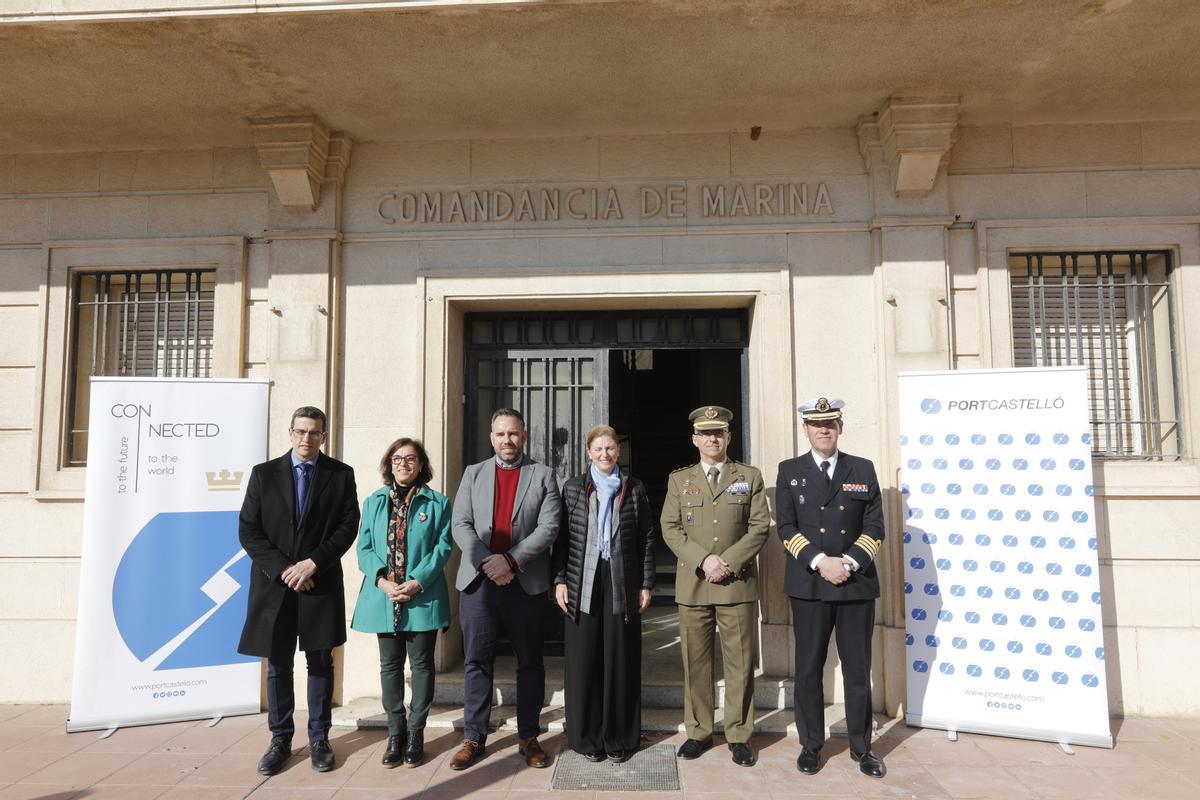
x: 403, y: 545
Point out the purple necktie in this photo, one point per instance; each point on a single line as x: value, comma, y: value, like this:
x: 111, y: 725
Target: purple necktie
x: 302, y: 489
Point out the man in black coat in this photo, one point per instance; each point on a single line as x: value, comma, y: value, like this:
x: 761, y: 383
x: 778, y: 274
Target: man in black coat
x: 299, y: 516
x: 830, y: 518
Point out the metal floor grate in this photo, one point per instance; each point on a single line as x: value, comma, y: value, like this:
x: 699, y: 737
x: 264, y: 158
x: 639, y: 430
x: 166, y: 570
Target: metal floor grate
x: 651, y: 769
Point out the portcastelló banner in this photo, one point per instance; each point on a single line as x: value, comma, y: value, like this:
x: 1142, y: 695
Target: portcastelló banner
x: 163, y: 578
x: 1001, y: 577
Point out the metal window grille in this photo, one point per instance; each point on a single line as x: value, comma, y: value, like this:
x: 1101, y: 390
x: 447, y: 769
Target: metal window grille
x: 1112, y: 312
x: 152, y: 324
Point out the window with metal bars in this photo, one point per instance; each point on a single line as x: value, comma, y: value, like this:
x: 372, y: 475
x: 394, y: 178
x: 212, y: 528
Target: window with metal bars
x: 1113, y: 313
x: 138, y: 324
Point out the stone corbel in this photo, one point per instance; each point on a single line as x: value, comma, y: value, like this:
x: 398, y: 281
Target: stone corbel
x: 299, y: 153
x: 914, y: 135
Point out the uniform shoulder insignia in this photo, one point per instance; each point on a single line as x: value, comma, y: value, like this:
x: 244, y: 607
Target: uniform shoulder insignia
x: 682, y: 469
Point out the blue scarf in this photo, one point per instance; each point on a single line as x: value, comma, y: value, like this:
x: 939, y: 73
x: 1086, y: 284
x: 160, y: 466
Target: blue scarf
x: 607, y: 487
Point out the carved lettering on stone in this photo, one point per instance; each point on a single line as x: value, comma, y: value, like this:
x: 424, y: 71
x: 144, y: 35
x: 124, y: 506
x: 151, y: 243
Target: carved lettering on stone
x: 542, y: 205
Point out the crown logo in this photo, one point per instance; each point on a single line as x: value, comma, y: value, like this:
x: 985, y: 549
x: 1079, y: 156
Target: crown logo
x: 710, y: 413
x: 823, y: 405
x: 224, y: 481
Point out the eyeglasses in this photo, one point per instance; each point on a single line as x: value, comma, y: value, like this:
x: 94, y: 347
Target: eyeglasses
x: 303, y: 434
x: 408, y: 461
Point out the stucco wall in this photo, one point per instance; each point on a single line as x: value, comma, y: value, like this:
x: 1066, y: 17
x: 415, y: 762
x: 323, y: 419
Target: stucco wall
x: 901, y: 284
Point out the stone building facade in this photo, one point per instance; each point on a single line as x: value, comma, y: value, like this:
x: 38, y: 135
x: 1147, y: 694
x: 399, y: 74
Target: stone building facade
x: 363, y: 266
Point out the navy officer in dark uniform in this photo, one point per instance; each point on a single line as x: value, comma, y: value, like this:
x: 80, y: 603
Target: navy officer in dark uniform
x: 830, y: 517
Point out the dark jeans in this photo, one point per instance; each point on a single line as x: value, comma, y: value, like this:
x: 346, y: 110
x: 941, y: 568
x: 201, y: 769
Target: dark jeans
x: 483, y: 610
x: 393, y: 648
x: 281, y: 695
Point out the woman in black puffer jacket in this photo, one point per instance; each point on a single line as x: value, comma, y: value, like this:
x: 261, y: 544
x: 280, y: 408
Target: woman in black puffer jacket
x: 603, y: 576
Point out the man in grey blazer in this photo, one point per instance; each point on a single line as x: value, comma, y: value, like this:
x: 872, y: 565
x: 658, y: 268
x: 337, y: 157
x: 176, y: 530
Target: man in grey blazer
x: 506, y: 517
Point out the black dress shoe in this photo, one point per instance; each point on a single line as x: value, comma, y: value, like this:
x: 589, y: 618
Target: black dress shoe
x: 414, y: 751
x: 692, y: 748
x: 869, y: 764
x: 619, y: 756
x: 595, y: 756
x: 275, y: 757
x: 809, y: 761
x: 321, y: 754
x: 743, y: 754
x: 394, y: 754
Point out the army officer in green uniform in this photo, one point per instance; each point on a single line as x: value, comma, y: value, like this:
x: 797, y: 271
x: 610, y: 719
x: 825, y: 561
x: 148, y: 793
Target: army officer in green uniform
x: 715, y: 519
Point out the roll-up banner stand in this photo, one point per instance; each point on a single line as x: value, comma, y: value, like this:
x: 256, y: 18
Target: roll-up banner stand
x: 163, y: 578
x: 1002, y: 591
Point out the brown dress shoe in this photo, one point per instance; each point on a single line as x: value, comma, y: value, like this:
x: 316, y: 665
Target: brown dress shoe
x: 535, y: 756
x: 468, y: 754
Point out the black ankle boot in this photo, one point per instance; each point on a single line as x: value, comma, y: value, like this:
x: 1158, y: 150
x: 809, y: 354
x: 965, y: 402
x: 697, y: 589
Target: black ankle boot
x: 395, y: 751
x: 415, y: 750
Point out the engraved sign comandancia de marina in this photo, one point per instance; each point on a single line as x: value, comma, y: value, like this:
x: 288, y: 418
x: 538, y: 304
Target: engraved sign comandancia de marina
x: 635, y: 204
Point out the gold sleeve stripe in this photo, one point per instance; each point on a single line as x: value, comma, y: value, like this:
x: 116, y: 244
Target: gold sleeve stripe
x: 795, y: 544
x: 870, y: 546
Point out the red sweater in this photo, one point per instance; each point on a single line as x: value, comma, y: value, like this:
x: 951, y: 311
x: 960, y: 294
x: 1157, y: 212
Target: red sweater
x: 502, y: 508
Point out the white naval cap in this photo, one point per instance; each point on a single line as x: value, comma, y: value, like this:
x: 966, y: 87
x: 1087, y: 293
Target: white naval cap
x: 821, y: 408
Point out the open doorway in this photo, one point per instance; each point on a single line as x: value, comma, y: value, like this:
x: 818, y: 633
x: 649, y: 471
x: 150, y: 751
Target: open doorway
x: 651, y: 393
x: 642, y: 372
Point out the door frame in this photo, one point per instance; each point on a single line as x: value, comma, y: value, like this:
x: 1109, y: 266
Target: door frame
x: 765, y: 290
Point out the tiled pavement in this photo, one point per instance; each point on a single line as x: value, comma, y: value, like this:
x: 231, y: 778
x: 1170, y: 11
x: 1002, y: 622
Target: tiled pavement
x: 1153, y: 758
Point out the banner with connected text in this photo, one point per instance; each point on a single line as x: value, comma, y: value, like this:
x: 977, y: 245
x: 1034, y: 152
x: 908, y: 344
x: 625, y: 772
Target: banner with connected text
x: 1001, y: 580
x: 163, y: 578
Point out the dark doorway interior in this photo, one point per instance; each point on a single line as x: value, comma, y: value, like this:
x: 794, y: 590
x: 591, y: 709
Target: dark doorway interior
x: 651, y: 393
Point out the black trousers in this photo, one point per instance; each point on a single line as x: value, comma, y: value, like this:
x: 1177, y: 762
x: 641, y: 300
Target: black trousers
x: 281, y: 693
x: 484, y: 609
x: 394, y: 648
x: 852, y: 622
x: 604, y: 674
